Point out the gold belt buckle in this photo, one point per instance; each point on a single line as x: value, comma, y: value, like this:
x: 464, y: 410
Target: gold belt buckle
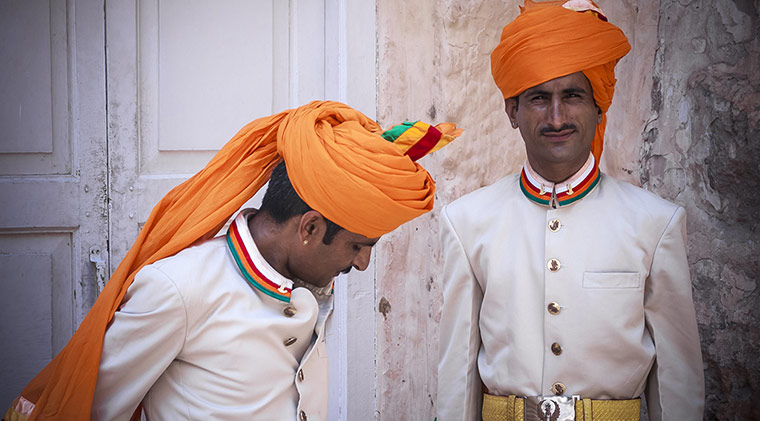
x: 550, y: 408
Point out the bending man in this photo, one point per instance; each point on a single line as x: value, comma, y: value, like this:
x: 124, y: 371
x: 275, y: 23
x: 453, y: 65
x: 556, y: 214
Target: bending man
x: 233, y: 327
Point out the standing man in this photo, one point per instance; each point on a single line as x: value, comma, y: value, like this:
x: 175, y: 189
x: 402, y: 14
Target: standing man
x: 232, y: 328
x: 566, y: 292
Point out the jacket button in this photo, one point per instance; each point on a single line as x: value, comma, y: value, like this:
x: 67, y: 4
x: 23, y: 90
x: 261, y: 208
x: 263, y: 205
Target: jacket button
x: 553, y: 308
x: 302, y: 416
x: 558, y: 389
x: 289, y: 311
x: 300, y: 375
x: 556, y: 348
x: 290, y: 341
x: 553, y: 265
x: 555, y: 225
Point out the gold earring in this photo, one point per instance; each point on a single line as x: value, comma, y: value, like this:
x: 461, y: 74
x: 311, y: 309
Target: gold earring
x: 305, y: 242
x: 514, y: 125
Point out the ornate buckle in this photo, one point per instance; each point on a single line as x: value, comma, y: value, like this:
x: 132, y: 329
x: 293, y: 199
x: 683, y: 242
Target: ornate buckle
x: 550, y: 408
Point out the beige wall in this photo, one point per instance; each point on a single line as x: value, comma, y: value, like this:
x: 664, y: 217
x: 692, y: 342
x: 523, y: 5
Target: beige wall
x: 433, y: 64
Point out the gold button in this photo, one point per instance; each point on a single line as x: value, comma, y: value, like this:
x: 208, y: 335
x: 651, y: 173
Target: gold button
x: 558, y: 389
x: 289, y: 311
x: 300, y: 375
x: 555, y: 225
x: 553, y: 308
x: 290, y: 341
x: 302, y: 416
x: 556, y: 348
x: 553, y: 265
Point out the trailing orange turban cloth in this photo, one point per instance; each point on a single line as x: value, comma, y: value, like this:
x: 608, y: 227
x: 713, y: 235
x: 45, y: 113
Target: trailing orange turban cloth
x: 338, y: 163
x: 552, y: 39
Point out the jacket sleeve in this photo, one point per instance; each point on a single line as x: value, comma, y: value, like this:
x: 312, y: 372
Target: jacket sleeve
x: 144, y: 337
x: 675, y: 388
x: 459, y: 385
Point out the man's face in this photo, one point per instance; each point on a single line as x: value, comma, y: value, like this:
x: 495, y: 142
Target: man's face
x: 557, y: 120
x: 321, y: 262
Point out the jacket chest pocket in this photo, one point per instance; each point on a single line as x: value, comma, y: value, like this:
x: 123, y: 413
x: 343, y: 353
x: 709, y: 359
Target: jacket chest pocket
x: 612, y: 280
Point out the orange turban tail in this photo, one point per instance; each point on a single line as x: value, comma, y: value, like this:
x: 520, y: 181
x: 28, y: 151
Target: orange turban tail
x: 338, y: 163
x: 556, y: 38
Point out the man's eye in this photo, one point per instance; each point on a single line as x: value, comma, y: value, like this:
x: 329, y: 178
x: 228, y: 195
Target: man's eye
x: 357, y: 247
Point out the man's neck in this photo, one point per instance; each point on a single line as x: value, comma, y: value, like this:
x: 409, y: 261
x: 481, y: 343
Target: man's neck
x: 557, y: 174
x: 267, y: 234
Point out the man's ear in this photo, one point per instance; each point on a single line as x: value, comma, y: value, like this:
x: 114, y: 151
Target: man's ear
x: 600, y: 115
x: 311, y: 225
x: 510, y: 107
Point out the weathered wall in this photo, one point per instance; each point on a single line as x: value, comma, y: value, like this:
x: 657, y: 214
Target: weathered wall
x: 703, y: 153
x: 683, y: 124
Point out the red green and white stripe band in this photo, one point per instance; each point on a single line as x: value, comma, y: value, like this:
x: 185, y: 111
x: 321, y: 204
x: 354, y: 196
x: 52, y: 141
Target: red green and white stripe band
x: 251, y: 273
x: 566, y: 193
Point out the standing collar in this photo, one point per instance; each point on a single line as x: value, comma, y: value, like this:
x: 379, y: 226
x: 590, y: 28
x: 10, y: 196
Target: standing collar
x: 256, y: 270
x: 251, y: 263
x: 544, y: 192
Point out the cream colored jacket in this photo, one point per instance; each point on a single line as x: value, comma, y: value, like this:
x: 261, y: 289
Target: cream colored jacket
x: 626, y: 324
x: 197, y: 342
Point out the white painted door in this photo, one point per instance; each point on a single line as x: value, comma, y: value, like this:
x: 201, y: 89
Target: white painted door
x: 184, y: 76
x: 52, y: 178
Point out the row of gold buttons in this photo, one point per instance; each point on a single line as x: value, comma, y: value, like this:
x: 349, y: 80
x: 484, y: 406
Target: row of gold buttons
x: 289, y: 311
x: 554, y: 264
x: 553, y: 307
x: 302, y: 414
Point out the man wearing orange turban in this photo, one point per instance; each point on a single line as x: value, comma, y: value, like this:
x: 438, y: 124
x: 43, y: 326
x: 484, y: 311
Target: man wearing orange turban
x: 233, y: 327
x: 566, y: 292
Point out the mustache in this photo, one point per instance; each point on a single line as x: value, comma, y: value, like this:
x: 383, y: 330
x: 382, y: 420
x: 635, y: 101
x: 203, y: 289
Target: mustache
x: 550, y: 129
x: 346, y: 270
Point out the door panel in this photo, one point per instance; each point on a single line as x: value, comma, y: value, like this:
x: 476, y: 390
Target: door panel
x: 52, y: 178
x: 203, y: 67
x: 184, y: 77
x: 35, y: 88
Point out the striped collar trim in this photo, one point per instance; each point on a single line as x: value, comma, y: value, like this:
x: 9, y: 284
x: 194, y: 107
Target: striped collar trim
x: 544, y: 192
x: 251, y: 263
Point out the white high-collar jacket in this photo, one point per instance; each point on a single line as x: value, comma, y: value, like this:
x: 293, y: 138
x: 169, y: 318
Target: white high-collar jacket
x: 626, y: 322
x: 194, y: 340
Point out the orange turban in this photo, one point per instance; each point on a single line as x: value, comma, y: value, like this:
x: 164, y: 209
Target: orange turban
x: 556, y: 38
x: 340, y: 166
x: 338, y: 163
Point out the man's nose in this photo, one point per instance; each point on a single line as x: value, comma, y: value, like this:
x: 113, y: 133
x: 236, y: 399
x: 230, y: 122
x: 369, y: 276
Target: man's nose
x: 557, y: 113
x: 361, y: 260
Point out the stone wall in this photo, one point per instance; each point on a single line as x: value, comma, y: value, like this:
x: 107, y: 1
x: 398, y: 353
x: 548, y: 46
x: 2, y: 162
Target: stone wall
x: 702, y: 151
x: 684, y: 124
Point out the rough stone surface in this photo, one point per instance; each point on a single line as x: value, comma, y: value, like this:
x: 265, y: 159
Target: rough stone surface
x: 684, y: 124
x: 703, y: 154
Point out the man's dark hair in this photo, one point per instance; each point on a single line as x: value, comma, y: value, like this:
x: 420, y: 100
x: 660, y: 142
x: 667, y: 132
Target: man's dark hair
x: 282, y: 202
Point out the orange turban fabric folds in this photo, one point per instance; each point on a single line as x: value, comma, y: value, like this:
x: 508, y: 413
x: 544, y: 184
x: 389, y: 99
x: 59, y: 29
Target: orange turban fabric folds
x: 341, y: 166
x: 557, y: 38
x: 337, y: 162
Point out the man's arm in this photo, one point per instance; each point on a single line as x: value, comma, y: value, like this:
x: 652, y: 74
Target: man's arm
x: 675, y: 389
x: 146, y: 334
x: 459, y: 385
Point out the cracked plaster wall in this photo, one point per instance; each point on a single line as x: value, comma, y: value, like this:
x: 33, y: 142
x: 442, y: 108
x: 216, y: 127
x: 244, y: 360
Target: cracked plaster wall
x: 684, y: 124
